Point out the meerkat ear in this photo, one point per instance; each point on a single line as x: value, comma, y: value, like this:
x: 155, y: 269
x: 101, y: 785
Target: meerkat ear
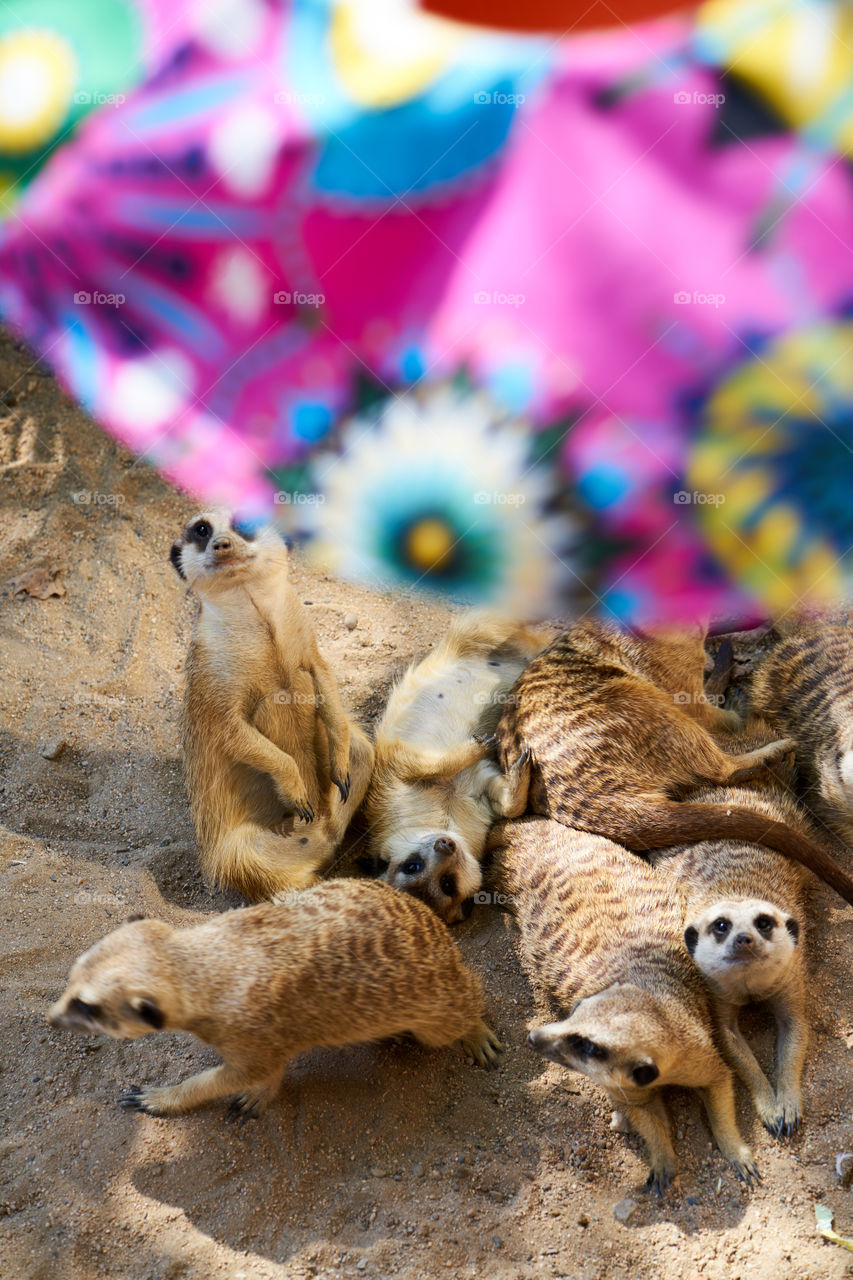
x: 175, y: 557
x: 148, y: 1011
x: 793, y: 928
x: 691, y: 937
x: 132, y: 919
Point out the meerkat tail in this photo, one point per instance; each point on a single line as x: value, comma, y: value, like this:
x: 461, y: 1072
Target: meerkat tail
x: 261, y: 864
x: 671, y: 822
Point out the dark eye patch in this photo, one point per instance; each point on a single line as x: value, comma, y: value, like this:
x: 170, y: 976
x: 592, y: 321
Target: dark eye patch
x: 645, y: 1073
x: 721, y: 927
x: 585, y: 1048
x: 765, y: 925
x: 413, y: 866
x: 447, y: 885
x: 200, y: 533
x: 90, y: 1011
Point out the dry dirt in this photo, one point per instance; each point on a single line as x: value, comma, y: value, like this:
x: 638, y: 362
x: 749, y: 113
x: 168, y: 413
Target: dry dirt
x: 377, y: 1161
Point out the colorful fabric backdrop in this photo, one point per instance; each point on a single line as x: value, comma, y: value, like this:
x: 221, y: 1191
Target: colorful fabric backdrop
x: 543, y: 322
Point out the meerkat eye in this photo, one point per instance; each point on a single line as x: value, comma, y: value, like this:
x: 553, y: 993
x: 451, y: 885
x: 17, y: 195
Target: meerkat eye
x: 588, y: 1048
x: 765, y: 924
x: 645, y: 1073
x: 413, y: 866
x: 721, y: 926
x: 202, y: 531
x: 447, y: 885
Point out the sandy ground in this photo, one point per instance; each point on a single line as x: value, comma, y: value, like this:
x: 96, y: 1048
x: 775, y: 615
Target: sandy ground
x: 377, y: 1161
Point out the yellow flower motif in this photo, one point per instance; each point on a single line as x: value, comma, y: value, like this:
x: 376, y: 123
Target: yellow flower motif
x: 38, y: 71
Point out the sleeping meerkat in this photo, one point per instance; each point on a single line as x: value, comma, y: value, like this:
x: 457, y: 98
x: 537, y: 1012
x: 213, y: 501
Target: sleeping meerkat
x: 602, y: 935
x: 274, y: 767
x: 262, y: 984
x: 805, y: 688
x: 616, y: 747
x: 744, y: 918
x: 436, y: 788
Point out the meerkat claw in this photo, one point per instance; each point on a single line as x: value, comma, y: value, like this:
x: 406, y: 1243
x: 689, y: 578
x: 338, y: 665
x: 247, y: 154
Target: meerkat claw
x: 133, y: 1100
x: 343, y: 787
x: 306, y: 812
x: 659, y: 1181
x: 487, y: 740
x: 242, y: 1108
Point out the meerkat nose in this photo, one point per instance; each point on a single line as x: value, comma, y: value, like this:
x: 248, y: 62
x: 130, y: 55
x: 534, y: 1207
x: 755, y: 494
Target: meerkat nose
x: 221, y: 544
x: 444, y: 845
x: 742, y: 941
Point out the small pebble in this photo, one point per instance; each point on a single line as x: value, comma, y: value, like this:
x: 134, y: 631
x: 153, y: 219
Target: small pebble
x: 350, y: 621
x: 623, y: 1210
x: 53, y: 748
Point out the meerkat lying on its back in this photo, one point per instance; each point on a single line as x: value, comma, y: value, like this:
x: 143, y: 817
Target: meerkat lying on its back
x: 616, y: 748
x: 435, y: 790
x: 262, y: 984
x: 268, y: 747
x: 602, y: 934
x: 744, y: 918
x: 805, y: 688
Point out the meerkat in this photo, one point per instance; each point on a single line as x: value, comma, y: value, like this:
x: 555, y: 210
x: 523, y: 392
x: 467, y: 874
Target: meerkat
x: 436, y: 787
x: 275, y: 768
x: 602, y: 936
x: 805, y: 688
x: 617, y: 747
x: 262, y: 984
x: 744, y: 922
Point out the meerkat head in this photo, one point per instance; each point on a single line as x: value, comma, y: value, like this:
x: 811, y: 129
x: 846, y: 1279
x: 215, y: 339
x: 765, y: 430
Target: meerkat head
x: 122, y: 986
x: 743, y: 946
x: 620, y: 1038
x: 215, y: 549
x: 436, y: 867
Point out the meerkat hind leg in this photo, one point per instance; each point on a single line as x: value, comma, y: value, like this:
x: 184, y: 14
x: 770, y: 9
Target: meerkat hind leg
x: 747, y: 766
x: 508, y: 793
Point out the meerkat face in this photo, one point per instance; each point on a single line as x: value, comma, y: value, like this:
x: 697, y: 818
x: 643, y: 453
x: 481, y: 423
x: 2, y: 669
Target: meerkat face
x: 114, y: 988
x: 436, y: 867
x: 743, y: 947
x: 617, y: 1038
x: 215, y: 549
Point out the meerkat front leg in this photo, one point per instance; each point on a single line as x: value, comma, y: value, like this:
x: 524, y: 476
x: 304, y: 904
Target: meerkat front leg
x: 331, y: 711
x: 205, y: 1086
x: 745, y: 1065
x: 719, y: 1099
x: 508, y: 792
x: 791, y: 1057
x: 652, y: 1124
x: 247, y: 745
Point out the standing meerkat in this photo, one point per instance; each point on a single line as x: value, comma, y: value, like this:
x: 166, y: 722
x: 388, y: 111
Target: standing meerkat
x: 274, y: 767
x: 436, y: 788
x: 805, y: 688
x: 602, y: 935
x: 616, y: 747
x: 745, y: 930
x: 262, y: 984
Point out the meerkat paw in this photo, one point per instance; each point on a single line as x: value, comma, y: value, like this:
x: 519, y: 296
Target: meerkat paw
x: 152, y: 1102
x: 249, y: 1105
x: 743, y: 1163
x: 781, y: 752
x: 304, y: 810
x: 785, y: 1118
x: 343, y: 787
x: 660, y: 1177
x: 487, y: 740
x: 483, y: 1046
